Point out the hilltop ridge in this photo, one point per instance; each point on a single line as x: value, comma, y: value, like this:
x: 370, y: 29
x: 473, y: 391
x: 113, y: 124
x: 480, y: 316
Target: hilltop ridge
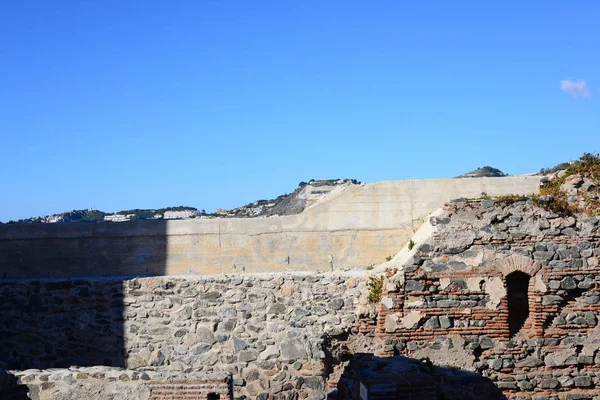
x: 291, y: 203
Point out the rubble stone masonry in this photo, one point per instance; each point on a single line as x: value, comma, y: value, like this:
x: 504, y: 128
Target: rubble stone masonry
x: 452, y: 301
x: 510, y: 292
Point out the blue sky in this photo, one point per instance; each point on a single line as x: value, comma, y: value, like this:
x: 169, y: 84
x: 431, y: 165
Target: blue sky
x: 213, y: 104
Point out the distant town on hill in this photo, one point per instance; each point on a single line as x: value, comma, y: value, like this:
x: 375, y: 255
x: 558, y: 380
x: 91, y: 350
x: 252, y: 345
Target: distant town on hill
x: 285, y: 204
x: 91, y: 215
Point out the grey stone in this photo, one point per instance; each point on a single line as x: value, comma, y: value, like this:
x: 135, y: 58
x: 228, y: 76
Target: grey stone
x: 211, y: 296
x: 276, y: 308
x: 448, y: 303
x: 531, y: 361
x: 157, y: 358
x: 587, y: 283
x: 561, y: 358
x: 247, y: 355
x: 568, y: 253
x: 184, y: 313
x: 159, y: 330
x: 496, y: 364
x: 554, y: 284
x: 238, y: 344
x: 487, y: 203
x: 189, y: 293
x: 200, y: 348
x: 445, y: 322
x: 549, y: 384
x: 425, y: 248
x: 336, y: 304
x: 180, y: 332
x: 589, y: 318
x: 568, y: 283
x: 486, y: 343
x: 435, y: 221
x: 459, y: 266
x: 566, y: 381
x: 525, y: 385
x: 587, y: 253
x: 507, y: 385
x: 551, y: 300
x: 585, y: 360
x: 582, y: 381
x: 439, y: 267
x: 432, y: 323
x: 543, y: 255
x: 314, y: 382
x: 413, y: 286
x: 205, y: 335
x: 227, y: 325
x: 293, y: 349
x: 557, y: 264
x: 457, y: 241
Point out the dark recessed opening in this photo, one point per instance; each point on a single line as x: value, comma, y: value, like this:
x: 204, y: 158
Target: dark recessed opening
x: 517, y: 287
x: 213, y: 396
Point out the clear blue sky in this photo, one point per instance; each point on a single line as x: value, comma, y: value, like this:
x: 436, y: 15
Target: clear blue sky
x: 213, y: 104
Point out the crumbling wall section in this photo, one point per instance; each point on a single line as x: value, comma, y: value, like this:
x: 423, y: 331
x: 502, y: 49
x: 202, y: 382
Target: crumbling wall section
x: 450, y: 301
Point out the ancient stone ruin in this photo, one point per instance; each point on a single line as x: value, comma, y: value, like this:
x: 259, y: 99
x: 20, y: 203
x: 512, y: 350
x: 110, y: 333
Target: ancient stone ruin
x: 489, y: 298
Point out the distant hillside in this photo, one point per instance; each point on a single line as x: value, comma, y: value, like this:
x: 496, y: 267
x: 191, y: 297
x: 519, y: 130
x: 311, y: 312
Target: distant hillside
x: 83, y: 216
x: 288, y: 204
x: 486, y: 171
x: 559, y: 167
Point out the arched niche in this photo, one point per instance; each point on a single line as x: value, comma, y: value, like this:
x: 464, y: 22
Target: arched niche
x: 517, y: 296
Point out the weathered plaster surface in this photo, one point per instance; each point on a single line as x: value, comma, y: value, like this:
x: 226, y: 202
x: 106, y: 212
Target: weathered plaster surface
x: 353, y: 227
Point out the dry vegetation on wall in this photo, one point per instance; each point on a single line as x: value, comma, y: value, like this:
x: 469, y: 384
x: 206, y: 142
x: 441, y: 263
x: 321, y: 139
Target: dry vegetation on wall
x: 573, y: 190
x: 375, y: 287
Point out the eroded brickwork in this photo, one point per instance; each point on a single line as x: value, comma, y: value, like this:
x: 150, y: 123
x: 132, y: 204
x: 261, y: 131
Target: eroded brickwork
x: 450, y: 302
x: 207, y: 389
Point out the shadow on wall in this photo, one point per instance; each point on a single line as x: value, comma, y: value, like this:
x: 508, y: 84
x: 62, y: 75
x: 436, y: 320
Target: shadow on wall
x: 10, y: 389
x: 48, y: 318
x: 368, y: 377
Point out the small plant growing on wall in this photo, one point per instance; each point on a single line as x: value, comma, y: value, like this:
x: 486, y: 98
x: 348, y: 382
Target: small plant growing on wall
x: 370, y: 267
x: 389, y: 258
x: 411, y: 244
x: 375, y: 286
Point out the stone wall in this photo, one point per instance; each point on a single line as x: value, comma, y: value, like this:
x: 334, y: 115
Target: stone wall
x: 289, y: 336
x: 103, y: 383
x: 352, y: 227
x: 268, y: 331
x: 455, y: 300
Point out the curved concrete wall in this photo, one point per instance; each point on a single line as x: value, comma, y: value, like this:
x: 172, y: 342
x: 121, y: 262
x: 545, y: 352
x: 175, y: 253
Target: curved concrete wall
x: 353, y: 227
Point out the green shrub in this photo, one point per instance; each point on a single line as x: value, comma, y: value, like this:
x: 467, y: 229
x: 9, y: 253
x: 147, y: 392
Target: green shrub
x: 375, y: 286
x: 587, y: 165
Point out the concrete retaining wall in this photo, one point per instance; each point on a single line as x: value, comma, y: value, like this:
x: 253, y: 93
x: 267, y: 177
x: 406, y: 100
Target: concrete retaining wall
x: 352, y: 227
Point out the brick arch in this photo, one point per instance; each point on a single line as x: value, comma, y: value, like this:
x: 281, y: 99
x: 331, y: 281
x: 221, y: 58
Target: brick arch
x: 518, y: 262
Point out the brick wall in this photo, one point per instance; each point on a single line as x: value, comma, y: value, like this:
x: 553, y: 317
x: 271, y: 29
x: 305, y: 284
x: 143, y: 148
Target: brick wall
x: 450, y: 301
x: 191, y: 390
